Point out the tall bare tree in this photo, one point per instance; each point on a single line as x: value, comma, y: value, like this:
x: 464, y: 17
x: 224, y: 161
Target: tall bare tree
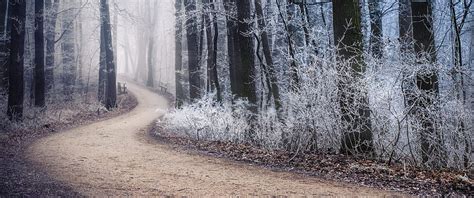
x: 211, y: 46
x: 353, y: 101
x: 193, y: 50
x: 110, y: 88
x: 68, y: 51
x: 245, y: 87
x: 15, y: 60
x: 39, y: 54
x: 102, y: 64
x: 180, y: 96
x: 426, y: 79
x: 290, y: 30
x: 376, y: 28
x: 3, y: 42
x: 51, y: 6
x: 268, y: 66
x: 459, y: 21
x: 151, y: 23
x: 214, y: 72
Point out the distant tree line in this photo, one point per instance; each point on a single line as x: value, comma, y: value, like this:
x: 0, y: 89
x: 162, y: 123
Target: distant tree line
x: 32, y: 61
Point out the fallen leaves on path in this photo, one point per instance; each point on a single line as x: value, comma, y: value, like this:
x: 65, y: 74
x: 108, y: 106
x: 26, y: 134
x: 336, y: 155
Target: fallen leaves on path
x: 337, y: 167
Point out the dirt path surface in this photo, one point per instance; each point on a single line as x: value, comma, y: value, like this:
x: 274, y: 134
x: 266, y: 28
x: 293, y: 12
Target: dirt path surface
x: 114, y: 157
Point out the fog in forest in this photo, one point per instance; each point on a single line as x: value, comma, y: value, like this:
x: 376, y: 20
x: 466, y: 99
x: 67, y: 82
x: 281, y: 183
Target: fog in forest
x: 207, y: 98
x: 136, y: 24
x: 133, y: 35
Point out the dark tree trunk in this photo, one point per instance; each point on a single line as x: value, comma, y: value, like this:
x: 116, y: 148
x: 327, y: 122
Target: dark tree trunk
x: 110, y: 88
x: 201, y: 40
x: 426, y: 81
x: 15, y: 60
x: 3, y: 18
x: 290, y: 31
x: 269, y: 68
x: 233, y: 48
x: 406, y: 48
x: 376, y: 32
x: 211, y: 49
x: 180, y: 96
x: 102, y: 67
x: 214, y: 74
x: 129, y: 58
x: 353, y: 100
x: 141, y: 54
x: 3, y: 43
x: 151, y: 45
x: 115, y: 33
x: 246, y: 71
x: 209, y: 44
x: 68, y: 53
x: 151, y: 70
x: 193, y: 51
x: 305, y: 22
x: 52, y: 9
x: 39, y: 54
x: 405, y: 25
x: 79, y: 44
x: 459, y: 76
x: 245, y: 86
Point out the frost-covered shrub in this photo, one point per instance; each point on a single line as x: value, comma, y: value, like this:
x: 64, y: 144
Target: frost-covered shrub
x: 311, y: 115
x: 208, y: 120
x: 57, y: 111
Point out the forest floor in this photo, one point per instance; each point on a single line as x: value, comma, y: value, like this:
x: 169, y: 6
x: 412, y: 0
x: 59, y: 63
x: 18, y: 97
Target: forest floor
x: 18, y: 176
x: 118, y: 157
x: 332, y: 167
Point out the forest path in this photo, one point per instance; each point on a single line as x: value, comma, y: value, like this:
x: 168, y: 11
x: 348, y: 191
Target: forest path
x: 116, y: 157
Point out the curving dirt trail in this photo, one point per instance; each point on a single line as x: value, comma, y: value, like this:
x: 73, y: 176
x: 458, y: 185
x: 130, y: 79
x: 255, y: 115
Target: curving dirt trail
x: 115, y: 158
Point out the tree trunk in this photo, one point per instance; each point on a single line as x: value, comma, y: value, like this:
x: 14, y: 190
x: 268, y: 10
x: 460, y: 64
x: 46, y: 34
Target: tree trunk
x: 305, y: 22
x: 193, y: 51
x: 469, y: 85
x: 39, y: 54
x: 3, y: 18
x: 207, y: 25
x: 269, y: 67
x: 201, y: 41
x: 246, y: 70
x: 3, y: 43
x: 52, y: 9
x: 115, y: 33
x: 79, y: 44
x: 405, y: 25
x: 426, y: 81
x: 15, y: 60
x: 214, y: 74
x: 234, y: 53
x: 102, y: 66
x: 180, y: 96
x: 129, y: 58
x: 141, y: 56
x: 246, y: 88
x: 110, y: 88
x: 290, y: 30
x: 376, y: 32
x: 353, y: 100
x: 151, y: 44
x: 459, y: 74
x: 151, y: 70
x: 211, y: 48
x: 68, y: 52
